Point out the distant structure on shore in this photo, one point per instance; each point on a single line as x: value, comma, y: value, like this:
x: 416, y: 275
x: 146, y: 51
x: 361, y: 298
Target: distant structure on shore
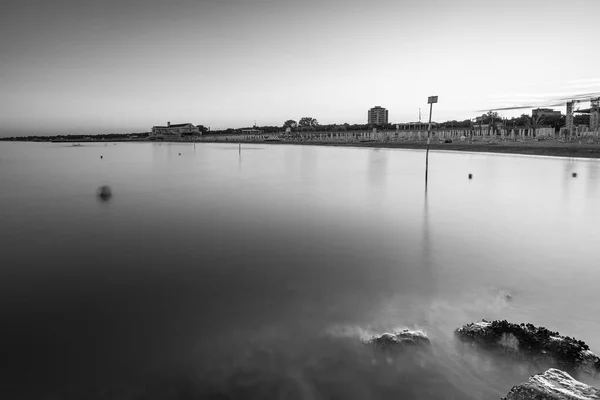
x: 251, y: 131
x: 545, y: 112
x: 174, y: 131
x: 594, y: 113
x: 378, y: 116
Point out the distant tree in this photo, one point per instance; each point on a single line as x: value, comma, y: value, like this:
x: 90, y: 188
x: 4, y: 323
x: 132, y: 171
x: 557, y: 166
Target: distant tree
x: 581, y: 119
x: 290, y: 123
x: 308, y: 121
x: 533, y: 123
x: 555, y: 121
x: 202, y: 128
x: 491, y: 116
x: 457, y: 124
x: 358, y: 127
x: 491, y: 119
x: 269, y: 129
x: 523, y: 120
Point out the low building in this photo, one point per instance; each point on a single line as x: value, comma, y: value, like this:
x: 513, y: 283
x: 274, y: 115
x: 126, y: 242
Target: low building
x: 174, y: 131
x: 545, y: 113
x: 251, y: 131
x: 415, y: 126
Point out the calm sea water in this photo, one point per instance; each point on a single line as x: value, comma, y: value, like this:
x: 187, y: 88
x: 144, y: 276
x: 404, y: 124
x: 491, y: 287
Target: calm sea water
x: 215, y: 274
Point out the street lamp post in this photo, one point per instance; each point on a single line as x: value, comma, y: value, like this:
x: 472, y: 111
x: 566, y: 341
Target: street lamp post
x: 430, y: 101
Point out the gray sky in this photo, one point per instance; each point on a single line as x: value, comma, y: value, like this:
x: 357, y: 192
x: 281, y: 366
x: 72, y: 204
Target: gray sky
x: 70, y: 66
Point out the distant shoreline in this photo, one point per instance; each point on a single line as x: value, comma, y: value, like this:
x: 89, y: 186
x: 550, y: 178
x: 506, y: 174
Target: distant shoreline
x: 550, y: 148
x: 533, y: 149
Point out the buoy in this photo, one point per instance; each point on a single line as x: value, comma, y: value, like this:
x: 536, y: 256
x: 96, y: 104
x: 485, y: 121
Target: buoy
x: 179, y: 153
x: 574, y: 174
x: 100, y: 156
x: 104, y: 193
x: 470, y: 176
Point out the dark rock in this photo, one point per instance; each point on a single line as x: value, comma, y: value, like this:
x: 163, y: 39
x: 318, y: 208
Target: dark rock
x: 535, y: 343
x: 553, y: 384
x: 401, y: 340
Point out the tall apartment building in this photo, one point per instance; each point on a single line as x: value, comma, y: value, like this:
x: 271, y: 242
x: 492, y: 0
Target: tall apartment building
x: 378, y: 116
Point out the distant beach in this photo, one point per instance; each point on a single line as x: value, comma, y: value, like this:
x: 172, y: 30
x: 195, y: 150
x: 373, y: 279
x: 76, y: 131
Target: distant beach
x: 547, y: 147
x: 583, y: 147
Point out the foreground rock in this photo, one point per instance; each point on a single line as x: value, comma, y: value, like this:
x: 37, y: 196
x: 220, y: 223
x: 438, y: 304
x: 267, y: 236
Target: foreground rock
x: 405, y: 339
x: 536, y: 343
x: 553, y: 384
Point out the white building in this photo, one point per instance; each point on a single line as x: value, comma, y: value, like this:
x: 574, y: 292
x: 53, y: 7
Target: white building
x: 174, y: 131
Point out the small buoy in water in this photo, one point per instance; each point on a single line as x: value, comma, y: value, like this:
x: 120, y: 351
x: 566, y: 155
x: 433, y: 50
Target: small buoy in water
x: 470, y: 176
x: 179, y: 153
x: 574, y: 174
x: 100, y: 156
x: 104, y: 193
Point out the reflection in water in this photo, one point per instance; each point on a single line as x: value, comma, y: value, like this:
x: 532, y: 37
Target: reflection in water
x: 377, y: 164
x: 591, y: 183
x: 569, y: 166
x: 427, y: 249
x: 309, y: 162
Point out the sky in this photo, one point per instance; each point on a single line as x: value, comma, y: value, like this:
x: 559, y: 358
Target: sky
x: 79, y: 66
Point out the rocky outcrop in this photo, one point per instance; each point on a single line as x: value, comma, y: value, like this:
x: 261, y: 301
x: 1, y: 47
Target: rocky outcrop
x: 405, y: 339
x: 553, y: 384
x: 536, y: 343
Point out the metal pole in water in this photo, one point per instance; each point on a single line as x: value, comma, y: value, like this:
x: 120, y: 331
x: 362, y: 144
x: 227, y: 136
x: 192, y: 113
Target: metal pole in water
x: 430, y: 100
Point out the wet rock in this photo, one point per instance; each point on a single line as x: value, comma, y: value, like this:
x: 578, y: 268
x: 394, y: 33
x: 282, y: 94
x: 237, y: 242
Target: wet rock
x: 537, y: 344
x: 401, y: 340
x: 553, y: 384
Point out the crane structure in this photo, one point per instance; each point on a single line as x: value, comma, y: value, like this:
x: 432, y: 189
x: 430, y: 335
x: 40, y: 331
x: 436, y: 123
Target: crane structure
x: 569, y: 116
x: 573, y: 104
x: 595, y: 115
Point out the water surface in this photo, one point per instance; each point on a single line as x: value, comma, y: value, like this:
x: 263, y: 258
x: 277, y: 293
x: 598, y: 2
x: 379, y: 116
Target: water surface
x: 211, y: 273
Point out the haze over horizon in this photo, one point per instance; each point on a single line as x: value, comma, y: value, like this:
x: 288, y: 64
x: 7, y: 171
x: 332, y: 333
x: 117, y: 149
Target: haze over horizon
x: 72, y: 66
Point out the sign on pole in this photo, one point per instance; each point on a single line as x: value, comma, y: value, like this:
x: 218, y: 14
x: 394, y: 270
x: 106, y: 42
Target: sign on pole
x: 430, y: 101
